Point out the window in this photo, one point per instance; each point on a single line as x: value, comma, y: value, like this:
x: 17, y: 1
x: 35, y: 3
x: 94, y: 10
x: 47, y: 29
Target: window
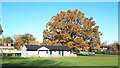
x: 50, y: 52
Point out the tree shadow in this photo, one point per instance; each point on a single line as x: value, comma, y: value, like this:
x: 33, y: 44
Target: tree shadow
x: 31, y: 63
x: 7, y: 57
x: 43, y: 63
x: 36, y: 64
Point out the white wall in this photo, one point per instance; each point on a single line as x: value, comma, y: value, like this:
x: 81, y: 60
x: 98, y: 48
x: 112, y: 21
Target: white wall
x: 42, y: 52
x: 54, y: 54
x: 39, y: 53
x: 31, y: 53
x: 67, y: 53
x: 23, y: 52
x: 43, y: 48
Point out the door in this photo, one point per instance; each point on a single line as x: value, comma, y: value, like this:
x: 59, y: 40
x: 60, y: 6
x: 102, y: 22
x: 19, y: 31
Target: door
x: 43, y: 53
x: 62, y: 53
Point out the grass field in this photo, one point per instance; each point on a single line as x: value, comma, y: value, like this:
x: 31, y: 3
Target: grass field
x: 63, y: 61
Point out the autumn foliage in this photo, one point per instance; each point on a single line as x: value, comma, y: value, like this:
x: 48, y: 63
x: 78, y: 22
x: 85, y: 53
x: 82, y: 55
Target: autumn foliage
x: 20, y: 40
x: 33, y: 43
x: 73, y: 29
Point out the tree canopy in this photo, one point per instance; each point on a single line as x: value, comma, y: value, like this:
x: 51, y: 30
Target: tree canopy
x: 73, y: 29
x: 8, y: 40
x: 24, y: 39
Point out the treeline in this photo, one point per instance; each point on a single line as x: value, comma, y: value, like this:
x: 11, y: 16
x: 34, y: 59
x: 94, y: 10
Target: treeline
x: 112, y: 49
x: 19, y: 40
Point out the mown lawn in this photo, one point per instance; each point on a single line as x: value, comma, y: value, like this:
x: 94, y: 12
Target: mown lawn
x: 63, y: 61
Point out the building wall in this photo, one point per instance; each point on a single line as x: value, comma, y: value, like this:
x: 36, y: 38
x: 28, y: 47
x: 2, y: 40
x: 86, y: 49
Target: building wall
x: 32, y: 54
x: 67, y: 53
x: 56, y: 54
x: 9, y: 49
x: 42, y: 53
x: 43, y: 48
x: 29, y: 54
x: 23, y: 52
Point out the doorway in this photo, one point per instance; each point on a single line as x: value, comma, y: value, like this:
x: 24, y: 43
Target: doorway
x: 62, y: 53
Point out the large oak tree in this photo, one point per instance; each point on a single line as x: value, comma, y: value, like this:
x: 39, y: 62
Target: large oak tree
x: 73, y: 29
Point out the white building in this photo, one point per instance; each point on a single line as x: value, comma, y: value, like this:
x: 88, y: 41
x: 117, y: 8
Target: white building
x: 45, y: 51
x: 8, y: 48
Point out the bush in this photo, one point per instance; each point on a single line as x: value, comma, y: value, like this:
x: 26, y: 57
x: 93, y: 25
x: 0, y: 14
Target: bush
x: 84, y: 54
x: 108, y: 52
x: 11, y: 54
x: 99, y: 52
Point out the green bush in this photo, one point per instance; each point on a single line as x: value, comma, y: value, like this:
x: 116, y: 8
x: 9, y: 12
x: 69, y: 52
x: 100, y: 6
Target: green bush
x: 11, y: 54
x: 83, y: 54
x: 108, y: 52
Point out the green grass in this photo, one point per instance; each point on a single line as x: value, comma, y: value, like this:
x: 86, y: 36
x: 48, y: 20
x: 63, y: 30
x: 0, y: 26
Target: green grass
x: 63, y: 61
x: 104, y: 55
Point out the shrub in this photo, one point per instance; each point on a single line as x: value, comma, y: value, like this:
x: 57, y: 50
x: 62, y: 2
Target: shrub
x: 11, y: 54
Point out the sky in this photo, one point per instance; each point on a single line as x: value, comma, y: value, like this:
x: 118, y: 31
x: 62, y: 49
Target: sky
x: 31, y: 17
x: 60, y: 0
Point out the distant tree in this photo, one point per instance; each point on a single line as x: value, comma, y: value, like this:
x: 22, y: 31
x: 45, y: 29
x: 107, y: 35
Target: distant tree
x: 27, y: 37
x: 24, y: 39
x: 72, y: 29
x: 30, y: 37
x: 115, y: 47
x: 33, y: 42
x: 18, y: 42
x: 8, y: 40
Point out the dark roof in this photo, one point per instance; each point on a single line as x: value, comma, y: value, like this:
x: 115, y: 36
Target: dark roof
x: 57, y: 47
x: 51, y: 47
x: 32, y: 47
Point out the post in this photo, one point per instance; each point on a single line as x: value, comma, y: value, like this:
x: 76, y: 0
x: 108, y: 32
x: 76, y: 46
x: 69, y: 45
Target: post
x: 1, y: 32
x: 2, y: 44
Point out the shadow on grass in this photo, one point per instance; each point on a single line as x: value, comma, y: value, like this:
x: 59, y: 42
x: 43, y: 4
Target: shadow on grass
x: 47, y: 64
x: 13, y: 57
x: 32, y: 63
x: 42, y: 63
x: 29, y: 62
